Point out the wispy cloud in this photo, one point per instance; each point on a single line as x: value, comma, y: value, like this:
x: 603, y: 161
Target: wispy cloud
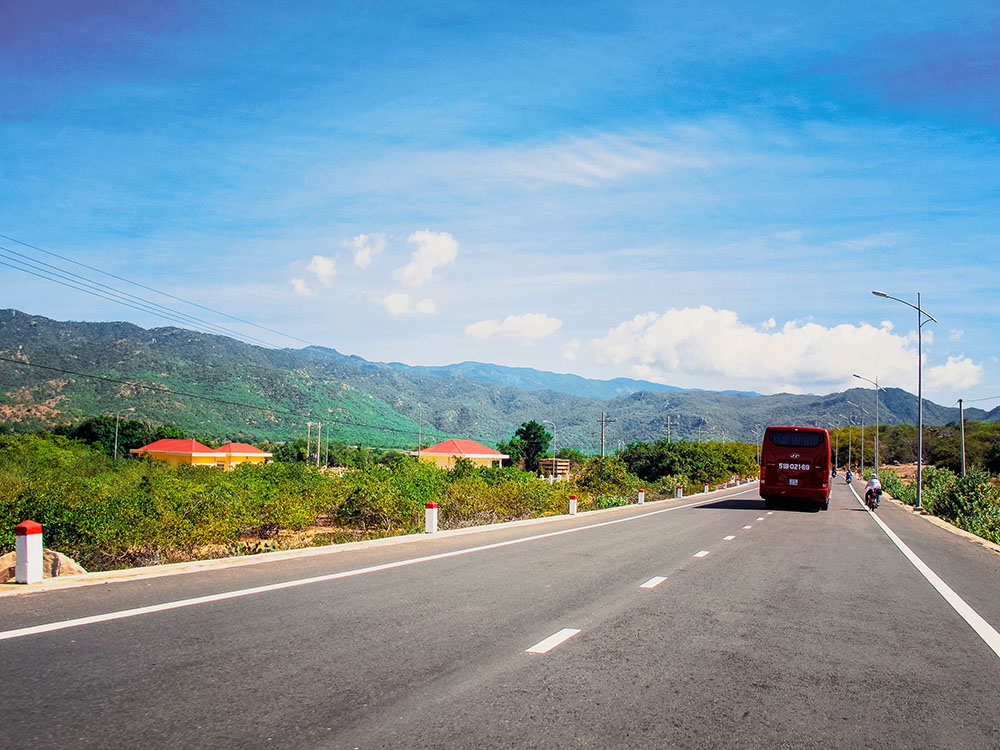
x: 527, y: 328
x: 367, y: 246
x: 434, y: 249
x: 400, y: 304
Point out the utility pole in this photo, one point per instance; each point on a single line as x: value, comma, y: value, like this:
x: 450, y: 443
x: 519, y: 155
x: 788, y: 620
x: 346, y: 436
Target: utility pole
x: 309, y: 440
x: 604, y: 422
x: 668, y: 428
x: 961, y: 420
x: 319, y: 442
x: 420, y: 428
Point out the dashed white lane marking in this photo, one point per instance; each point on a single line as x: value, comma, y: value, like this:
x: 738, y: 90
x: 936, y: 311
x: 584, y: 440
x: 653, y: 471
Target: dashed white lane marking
x: 770, y: 513
x: 703, y: 553
x: 983, y: 629
x: 748, y: 527
x: 760, y: 518
x: 728, y: 538
x: 653, y: 582
x: 552, y: 641
x: 198, y: 600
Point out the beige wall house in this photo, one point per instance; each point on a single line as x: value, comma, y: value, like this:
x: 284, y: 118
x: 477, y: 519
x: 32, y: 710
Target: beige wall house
x: 447, y: 453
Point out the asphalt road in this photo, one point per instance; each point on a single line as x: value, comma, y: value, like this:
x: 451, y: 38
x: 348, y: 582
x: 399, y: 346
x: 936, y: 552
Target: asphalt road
x: 805, y: 629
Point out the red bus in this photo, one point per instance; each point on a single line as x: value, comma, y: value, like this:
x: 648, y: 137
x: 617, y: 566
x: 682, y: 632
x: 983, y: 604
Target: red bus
x: 795, y: 463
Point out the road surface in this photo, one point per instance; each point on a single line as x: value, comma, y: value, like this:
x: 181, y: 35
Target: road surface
x: 670, y: 625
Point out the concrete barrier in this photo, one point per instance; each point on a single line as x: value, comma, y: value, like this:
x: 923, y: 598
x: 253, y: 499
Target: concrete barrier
x: 431, y: 518
x: 28, y: 552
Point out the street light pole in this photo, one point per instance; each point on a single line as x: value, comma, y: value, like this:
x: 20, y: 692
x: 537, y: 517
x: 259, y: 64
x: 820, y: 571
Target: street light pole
x: 117, y: 416
x: 920, y: 394
x: 961, y: 419
x: 877, y: 388
x: 549, y: 421
x: 863, y: 413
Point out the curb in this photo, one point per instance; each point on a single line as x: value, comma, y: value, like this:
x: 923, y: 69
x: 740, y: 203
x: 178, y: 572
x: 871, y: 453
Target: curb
x: 194, y: 566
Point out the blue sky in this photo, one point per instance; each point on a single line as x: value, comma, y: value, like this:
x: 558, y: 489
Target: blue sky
x: 700, y: 194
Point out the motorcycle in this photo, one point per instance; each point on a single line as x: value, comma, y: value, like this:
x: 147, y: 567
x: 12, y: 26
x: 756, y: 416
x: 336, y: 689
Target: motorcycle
x: 873, y: 498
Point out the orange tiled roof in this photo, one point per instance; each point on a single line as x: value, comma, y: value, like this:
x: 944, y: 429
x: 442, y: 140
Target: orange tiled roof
x: 464, y: 448
x: 174, y: 445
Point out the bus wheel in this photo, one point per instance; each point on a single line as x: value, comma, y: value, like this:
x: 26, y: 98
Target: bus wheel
x: 825, y: 505
x: 768, y: 503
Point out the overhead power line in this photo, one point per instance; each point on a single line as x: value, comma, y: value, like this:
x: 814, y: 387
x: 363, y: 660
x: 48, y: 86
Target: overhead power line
x: 164, y: 389
x: 156, y: 291
x: 83, y: 284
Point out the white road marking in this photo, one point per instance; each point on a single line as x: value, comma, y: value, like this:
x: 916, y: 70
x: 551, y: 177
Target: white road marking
x: 194, y: 601
x: 983, y: 629
x: 770, y: 513
x: 703, y: 553
x: 748, y: 527
x: 760, y: 518
x: 653, y: 582
x: 728, y: 538
x: 552, y: 641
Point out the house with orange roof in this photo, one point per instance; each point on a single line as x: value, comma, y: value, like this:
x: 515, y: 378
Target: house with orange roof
x: 192, y: 453
x: 444, y: 455
x: 241, y: 453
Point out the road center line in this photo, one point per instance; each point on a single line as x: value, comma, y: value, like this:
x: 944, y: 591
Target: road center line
x: 194, y: 601
x: 653, y: 582
x: 983, y: 629
x: 760, y: 518
x: 748, y: 527
x: 703, y: 553
x: 728, y: 538
x: 552, y: 641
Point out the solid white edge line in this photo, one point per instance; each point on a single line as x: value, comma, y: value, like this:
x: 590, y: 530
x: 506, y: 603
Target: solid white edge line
x: 983, y: 629
x: 653, y: 582
x: 121, y: 614
x: 546, y: 645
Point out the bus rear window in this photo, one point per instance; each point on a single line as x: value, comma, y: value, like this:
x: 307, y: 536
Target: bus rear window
x: 795, y: 439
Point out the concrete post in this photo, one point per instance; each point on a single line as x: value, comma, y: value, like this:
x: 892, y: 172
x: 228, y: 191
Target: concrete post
x: 28, y: 552
x: 431, y: 518
x: 572, y: 505
x: 642, y: 496
x: 680, y: 492
x: 706, y: 488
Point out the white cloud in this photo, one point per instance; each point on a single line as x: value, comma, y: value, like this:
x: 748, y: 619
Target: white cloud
x: 402, y: 304
x: 712, y: 348
x: 955, y: 335
x: 323, y: 268
x: 957, y: 372
x: 434, y: 249
x: 571, y: 350
x: 768, y: 324
x: 367, y: 246
x: 426, y: 307
x: 301, y: 289
x: 528, y: 328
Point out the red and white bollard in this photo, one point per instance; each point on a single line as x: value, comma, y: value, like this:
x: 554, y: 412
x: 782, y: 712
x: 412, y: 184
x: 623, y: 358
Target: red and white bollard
x: 642, y: 496
x: 431, y: 518
x: 680, y: 492
x: 28, y: 552
x: 706, y: 488
x: 572, y: 505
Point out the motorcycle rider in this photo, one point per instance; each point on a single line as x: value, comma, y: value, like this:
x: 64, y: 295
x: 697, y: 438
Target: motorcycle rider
x: 874, y: 488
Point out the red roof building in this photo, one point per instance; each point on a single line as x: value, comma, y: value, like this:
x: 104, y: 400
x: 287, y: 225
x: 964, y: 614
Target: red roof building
x: 177, y: 452
x: 447, y: 453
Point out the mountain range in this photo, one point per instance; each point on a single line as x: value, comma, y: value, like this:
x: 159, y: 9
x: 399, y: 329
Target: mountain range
x: 54, y: 372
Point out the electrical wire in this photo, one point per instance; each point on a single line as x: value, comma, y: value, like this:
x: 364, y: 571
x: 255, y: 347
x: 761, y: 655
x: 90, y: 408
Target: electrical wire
x: 157, y: 291
x: 156, y: 308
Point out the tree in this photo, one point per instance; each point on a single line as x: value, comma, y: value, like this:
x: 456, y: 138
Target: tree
x: 534, y: 442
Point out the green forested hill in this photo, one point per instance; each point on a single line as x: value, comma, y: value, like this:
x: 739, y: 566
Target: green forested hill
x: 357, y: 401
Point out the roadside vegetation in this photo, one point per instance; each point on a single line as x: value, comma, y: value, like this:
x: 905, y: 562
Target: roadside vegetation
x: 107, y: 513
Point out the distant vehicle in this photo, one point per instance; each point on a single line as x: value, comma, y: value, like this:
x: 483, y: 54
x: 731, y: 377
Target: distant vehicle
x: 795, y: 463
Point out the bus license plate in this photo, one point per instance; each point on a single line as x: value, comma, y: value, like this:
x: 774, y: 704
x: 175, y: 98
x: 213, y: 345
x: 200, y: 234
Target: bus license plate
x: 793, y: 482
